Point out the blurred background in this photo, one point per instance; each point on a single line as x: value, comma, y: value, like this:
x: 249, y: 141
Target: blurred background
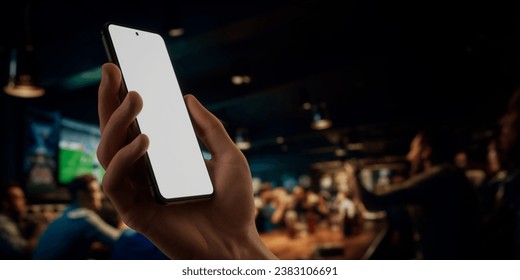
x: 301, y: 86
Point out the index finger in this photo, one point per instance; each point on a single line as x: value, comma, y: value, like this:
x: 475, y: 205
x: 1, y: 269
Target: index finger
x: 108, y: 93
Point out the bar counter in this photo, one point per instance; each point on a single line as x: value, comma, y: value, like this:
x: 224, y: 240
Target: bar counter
x: 327, y: 243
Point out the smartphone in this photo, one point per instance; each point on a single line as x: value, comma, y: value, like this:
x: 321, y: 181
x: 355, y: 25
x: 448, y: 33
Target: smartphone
x: 176, y: 167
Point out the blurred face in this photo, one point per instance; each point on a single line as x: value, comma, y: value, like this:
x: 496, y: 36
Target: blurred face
x: 414, y: 156
x: 492, y: 157
x: 266, y: 196
x: 17, y: 202
x: 298, y: 193
x: 508, y: 133
x: 461, y: 160
x: 91, y: 198
x: 95, y: 194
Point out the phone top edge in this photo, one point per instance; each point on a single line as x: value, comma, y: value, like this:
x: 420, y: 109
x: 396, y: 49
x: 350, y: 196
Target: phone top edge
x: 106, y: 26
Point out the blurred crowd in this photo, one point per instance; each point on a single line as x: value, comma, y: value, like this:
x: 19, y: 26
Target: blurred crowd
x: 300, y: 210
x: 444, y: 209
x: 87, y: 228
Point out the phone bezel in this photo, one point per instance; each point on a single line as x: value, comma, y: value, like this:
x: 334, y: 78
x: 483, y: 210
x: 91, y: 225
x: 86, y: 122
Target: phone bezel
x: 135, y: 130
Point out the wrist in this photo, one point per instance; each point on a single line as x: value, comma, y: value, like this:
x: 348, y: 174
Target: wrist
x: 254, y: 248
x: 233, y: 245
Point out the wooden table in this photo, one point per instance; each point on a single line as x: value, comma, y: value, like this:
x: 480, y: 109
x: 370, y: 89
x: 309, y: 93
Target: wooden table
x: 307, y: 246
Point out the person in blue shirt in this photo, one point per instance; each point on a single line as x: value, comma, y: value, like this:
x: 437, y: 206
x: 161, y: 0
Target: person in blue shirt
x: 71, y: 235
x: 132, y: 245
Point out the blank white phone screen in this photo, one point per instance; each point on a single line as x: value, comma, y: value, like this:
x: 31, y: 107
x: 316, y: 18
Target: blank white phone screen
x: 174, y: 153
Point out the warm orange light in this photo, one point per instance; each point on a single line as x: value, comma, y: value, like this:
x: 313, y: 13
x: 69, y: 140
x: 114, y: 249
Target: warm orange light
x: 245, y: 145
x: 176, y: 32
x: 340, y: 152
x: 240, y: 79
x: 23, y: 87
x: 321, y: 124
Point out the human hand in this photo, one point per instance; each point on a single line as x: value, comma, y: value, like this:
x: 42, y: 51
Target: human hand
x: 220, y: 228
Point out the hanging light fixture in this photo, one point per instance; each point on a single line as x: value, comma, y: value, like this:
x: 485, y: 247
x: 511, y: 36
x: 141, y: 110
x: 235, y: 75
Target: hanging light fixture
x: 320, y: 118
x: 176, y: 32
x: 21, y: 81
x: 174, y: 20
x: 242, y: 139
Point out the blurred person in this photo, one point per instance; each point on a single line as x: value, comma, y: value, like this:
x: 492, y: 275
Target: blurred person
x: 348, y: 212
x: 299, y: 196
x: 262, y: 203
x: 72, y: 234
x: 461, y: 160
x: 281, y: 201
x: 18, y: 234
x: 502, y: 227
x: 323, y: 206
x: 498, y: 226
x: 475, y: 173
x: 272, y: 210
x: 491, y: 191
x: 291, y: 222
x: 132, y: 245
x: 312, y: 214
x: 494, y: 164
x: 447, y: 216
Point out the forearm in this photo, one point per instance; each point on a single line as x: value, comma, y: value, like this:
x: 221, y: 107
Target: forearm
x: 278, y: 214
x: 418, y: 189
x: 371, y: 201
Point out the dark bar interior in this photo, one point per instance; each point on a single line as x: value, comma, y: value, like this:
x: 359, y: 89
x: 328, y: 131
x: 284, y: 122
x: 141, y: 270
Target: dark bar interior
x: 372, y: 129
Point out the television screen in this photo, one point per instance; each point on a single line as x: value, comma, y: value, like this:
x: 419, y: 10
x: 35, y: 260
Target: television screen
x: 77, y: 151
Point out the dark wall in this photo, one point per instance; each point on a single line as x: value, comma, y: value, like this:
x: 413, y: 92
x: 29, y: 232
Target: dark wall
x: 11, y: 138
